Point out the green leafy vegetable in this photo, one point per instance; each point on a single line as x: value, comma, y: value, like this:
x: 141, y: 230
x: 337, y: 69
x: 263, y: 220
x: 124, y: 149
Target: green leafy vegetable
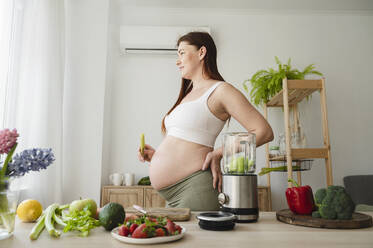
x: 80, y: 221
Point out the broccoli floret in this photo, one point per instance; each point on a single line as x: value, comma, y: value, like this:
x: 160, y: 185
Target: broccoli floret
x: 334, y: 203
x: 345, y: 207
x: 320, y: 195
x: 316, y: 214
x: 336, y: 188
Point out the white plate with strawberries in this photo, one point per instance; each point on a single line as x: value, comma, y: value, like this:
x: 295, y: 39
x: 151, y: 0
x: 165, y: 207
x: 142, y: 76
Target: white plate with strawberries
x: 148, y: 230
x: 153, y: 240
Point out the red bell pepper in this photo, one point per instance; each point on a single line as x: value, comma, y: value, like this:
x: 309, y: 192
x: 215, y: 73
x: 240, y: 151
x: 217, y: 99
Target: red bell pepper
x: 300, y: 199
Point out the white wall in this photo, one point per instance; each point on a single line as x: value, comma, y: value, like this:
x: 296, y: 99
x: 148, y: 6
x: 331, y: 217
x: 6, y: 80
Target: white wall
x: 141, y: 88
x: 86, y: 43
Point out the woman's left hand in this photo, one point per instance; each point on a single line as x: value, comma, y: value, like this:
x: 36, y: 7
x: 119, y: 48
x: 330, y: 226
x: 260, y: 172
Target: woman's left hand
x: 213, y: 160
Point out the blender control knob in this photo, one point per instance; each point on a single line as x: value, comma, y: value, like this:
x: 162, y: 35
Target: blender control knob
x: 223, y: 198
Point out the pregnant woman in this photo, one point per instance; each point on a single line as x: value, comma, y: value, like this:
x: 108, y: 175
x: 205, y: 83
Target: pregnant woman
x: 185, y: 168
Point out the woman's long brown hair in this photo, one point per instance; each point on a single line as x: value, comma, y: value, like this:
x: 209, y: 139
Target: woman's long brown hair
x: 210, y: 67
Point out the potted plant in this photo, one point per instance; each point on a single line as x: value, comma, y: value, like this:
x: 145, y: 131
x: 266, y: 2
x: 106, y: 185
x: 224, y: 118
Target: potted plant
x: 267, y: 83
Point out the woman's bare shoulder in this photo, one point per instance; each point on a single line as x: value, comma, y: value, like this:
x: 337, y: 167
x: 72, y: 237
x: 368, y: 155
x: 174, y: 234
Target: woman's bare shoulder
x: 226, y: 88
x: 228, y: 95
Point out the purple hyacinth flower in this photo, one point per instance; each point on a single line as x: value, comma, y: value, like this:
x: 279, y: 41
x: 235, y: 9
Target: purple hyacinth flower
x: 34, y: 159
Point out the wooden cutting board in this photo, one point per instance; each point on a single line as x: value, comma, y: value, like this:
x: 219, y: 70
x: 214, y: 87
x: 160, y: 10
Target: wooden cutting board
x: 174, y: 214
x: 358, y: 220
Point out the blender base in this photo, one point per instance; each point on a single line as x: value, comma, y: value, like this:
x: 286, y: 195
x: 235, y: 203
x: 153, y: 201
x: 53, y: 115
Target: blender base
x: 255, y: 219
x: 244, y: 215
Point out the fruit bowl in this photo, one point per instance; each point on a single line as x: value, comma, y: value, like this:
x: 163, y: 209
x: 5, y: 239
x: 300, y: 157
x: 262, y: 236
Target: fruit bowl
x: 154, y: 240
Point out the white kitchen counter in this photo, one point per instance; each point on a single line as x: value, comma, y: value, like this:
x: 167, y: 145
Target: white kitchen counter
x: 267, y: 232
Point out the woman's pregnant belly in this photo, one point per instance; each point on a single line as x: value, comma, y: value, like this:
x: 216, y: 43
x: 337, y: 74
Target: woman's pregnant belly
x: 174, y: 160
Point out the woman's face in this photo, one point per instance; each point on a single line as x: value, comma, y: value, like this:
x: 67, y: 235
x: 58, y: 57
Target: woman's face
x: 189, y: 59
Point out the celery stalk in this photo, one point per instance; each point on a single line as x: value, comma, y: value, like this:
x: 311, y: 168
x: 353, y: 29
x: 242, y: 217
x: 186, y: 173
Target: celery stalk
x: 142, y: 144
x: 48, y: 221
x: 65, y: 217
x: 266, y: 170
x: 58, y: 220
x: 38, y: 228
x: 62, y: 207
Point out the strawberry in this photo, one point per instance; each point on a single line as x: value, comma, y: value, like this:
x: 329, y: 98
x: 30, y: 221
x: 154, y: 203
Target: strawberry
x: 153, y: 220
x: 170, y: 226
x: 159, y: 232
x: 140, y: 232
x: 123, y: 231
x: 178, y: 228
x: 133, y: 227
x: 131, y: 217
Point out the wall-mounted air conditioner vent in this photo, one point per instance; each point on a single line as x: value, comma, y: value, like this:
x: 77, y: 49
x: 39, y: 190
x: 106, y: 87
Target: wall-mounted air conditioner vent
x: 153, y: 39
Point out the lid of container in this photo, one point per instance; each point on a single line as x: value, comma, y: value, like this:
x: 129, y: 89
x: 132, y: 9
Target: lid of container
x: 216, y: 216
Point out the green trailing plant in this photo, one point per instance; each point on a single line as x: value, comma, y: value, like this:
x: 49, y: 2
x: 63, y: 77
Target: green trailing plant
x: 267, y: 83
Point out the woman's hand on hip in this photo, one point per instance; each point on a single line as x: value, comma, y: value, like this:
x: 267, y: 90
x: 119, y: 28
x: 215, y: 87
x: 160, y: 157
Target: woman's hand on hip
x: 147, y: 155
x: 213, y: 161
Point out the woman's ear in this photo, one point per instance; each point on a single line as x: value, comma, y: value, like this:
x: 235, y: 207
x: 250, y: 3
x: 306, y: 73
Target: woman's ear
x: 202, y: 52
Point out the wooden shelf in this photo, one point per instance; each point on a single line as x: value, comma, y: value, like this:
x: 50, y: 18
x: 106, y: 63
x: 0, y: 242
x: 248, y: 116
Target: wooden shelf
x: 298, y: 90
x: 303, y: 153
x: 293, y: 92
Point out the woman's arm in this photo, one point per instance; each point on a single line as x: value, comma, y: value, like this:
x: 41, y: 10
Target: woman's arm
x: 236, y: 105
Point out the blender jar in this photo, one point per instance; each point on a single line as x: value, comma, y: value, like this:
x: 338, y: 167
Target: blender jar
x: 238, y: 153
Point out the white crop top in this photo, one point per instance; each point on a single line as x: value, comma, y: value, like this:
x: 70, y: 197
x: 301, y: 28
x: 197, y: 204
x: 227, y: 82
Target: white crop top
x: 193, y: 121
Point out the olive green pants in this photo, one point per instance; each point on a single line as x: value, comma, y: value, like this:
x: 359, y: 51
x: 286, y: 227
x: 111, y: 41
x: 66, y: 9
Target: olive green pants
x: 194, y: 192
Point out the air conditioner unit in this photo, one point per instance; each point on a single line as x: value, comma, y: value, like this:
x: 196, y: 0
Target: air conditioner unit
x: 153, y: 39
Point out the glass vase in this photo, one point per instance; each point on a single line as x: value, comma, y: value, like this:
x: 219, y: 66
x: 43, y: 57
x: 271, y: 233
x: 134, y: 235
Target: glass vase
x: 8, y: 206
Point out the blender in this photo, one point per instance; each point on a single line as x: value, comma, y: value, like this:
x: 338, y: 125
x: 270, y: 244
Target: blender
x: 239, y: 194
